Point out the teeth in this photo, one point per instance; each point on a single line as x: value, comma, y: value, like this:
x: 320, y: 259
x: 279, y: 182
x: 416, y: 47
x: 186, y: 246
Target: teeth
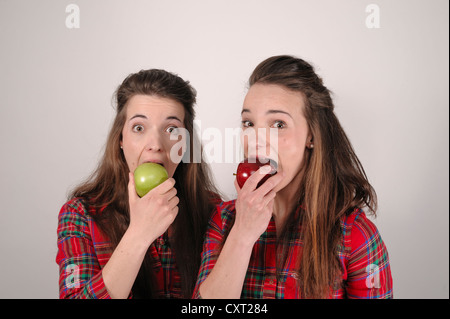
x: 266, y: 170
x: 270, y: 162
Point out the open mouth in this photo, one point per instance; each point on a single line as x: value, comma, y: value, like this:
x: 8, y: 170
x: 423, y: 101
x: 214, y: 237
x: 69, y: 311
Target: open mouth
x: 156, y: 162
x: 264, y: 160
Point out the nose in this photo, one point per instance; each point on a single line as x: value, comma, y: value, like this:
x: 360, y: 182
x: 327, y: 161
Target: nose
x: 154, y: 142
x: 261, y: 142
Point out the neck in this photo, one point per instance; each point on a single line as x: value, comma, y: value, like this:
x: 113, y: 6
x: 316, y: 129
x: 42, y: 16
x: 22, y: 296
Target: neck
x: 285, y: 202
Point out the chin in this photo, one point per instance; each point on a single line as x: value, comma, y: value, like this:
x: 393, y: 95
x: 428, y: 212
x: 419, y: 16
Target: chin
x: 280, y: 187
x: 286, y: 182
x: 171, y: 170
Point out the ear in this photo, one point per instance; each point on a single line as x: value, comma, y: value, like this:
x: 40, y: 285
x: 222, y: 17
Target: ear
x: 310, y: 141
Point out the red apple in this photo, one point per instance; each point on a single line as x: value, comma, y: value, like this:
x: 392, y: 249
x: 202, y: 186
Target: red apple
x: 249, y: 166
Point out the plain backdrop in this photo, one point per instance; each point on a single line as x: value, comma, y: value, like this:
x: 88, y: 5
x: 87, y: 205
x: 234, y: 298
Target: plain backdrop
x: 390, y: 87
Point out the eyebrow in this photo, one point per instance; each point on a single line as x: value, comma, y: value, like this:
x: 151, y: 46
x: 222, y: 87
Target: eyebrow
x: 172, y: 117
x: 137, y: 116
x: 269, y: 112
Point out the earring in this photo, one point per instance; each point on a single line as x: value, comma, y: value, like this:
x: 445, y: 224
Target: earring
x: 121, y: 146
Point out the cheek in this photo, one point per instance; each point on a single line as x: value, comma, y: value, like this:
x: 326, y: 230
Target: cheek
x: 290, y: 153
x: 131, y: 159
x: 171, y: 165
x: 171, y: 169
x: 130, y: 151
x: 175, y: 149
x: 244, y: 143
x: 173, y: 160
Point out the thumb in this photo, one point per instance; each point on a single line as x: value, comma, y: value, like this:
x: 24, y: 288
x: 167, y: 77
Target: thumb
x: 132, y: 195
x: 236, y: 185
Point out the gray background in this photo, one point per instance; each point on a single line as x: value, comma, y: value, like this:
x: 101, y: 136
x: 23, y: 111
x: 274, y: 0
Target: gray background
x: 390, y: 87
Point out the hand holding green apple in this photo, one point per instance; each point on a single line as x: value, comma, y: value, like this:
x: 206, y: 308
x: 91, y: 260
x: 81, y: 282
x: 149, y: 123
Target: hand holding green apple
x: 153, y: 202
x: 147, y: 176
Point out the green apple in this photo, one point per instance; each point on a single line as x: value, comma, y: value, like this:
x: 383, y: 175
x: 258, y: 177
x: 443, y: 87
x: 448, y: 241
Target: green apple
x: 147, y: 176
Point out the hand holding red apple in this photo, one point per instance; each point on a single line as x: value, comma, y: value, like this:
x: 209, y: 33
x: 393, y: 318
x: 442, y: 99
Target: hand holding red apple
x: 249, y: 166
x: 254, y: 203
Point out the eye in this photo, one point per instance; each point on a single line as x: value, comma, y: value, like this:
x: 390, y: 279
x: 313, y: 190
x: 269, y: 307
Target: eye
x: 138, y: 128
x: 172, y: 129
x: 279, y: 124
x: 246, y: 124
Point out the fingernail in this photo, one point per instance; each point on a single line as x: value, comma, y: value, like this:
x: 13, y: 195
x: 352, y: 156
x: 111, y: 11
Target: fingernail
x: 266, y: 169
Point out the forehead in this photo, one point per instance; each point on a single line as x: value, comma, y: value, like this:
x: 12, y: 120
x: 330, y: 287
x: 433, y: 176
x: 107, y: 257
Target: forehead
x: 262, y: 97
x: 154, y: 106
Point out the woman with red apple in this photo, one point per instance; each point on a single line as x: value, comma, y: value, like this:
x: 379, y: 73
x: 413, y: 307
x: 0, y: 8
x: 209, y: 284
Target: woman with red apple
x: 302, y: 233
x: 113, y: 243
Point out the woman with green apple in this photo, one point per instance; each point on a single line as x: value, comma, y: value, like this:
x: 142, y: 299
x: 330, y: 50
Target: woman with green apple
x: 112, y: 243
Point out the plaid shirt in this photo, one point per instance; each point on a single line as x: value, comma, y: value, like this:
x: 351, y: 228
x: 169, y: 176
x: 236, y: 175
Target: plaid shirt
x: 363, y: 256
x: 83, y: 251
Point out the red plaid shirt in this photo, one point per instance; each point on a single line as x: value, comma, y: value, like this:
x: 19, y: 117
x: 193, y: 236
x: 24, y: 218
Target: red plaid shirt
x: 364, y: 259
x: 83, y: 252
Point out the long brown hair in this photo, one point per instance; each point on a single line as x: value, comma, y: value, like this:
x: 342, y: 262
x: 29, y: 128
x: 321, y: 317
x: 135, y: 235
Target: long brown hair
x: 106, y: 189
x: 334, y: 182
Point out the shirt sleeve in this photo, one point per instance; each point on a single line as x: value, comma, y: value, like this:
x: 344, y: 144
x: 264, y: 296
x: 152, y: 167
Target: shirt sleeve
x: 80, y: 274
x: 368, y: 268
x: 211, y: 247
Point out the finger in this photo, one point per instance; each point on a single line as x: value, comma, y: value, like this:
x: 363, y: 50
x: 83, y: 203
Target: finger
x: 270, y: 205
x: 256, y: 177
x: 174, y: 212
x: 164, y: 187
x: 171, y: 193
x: 167, y: 195
x: 270, y: 183
x: 269, y: 197
x: 174, y: 202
